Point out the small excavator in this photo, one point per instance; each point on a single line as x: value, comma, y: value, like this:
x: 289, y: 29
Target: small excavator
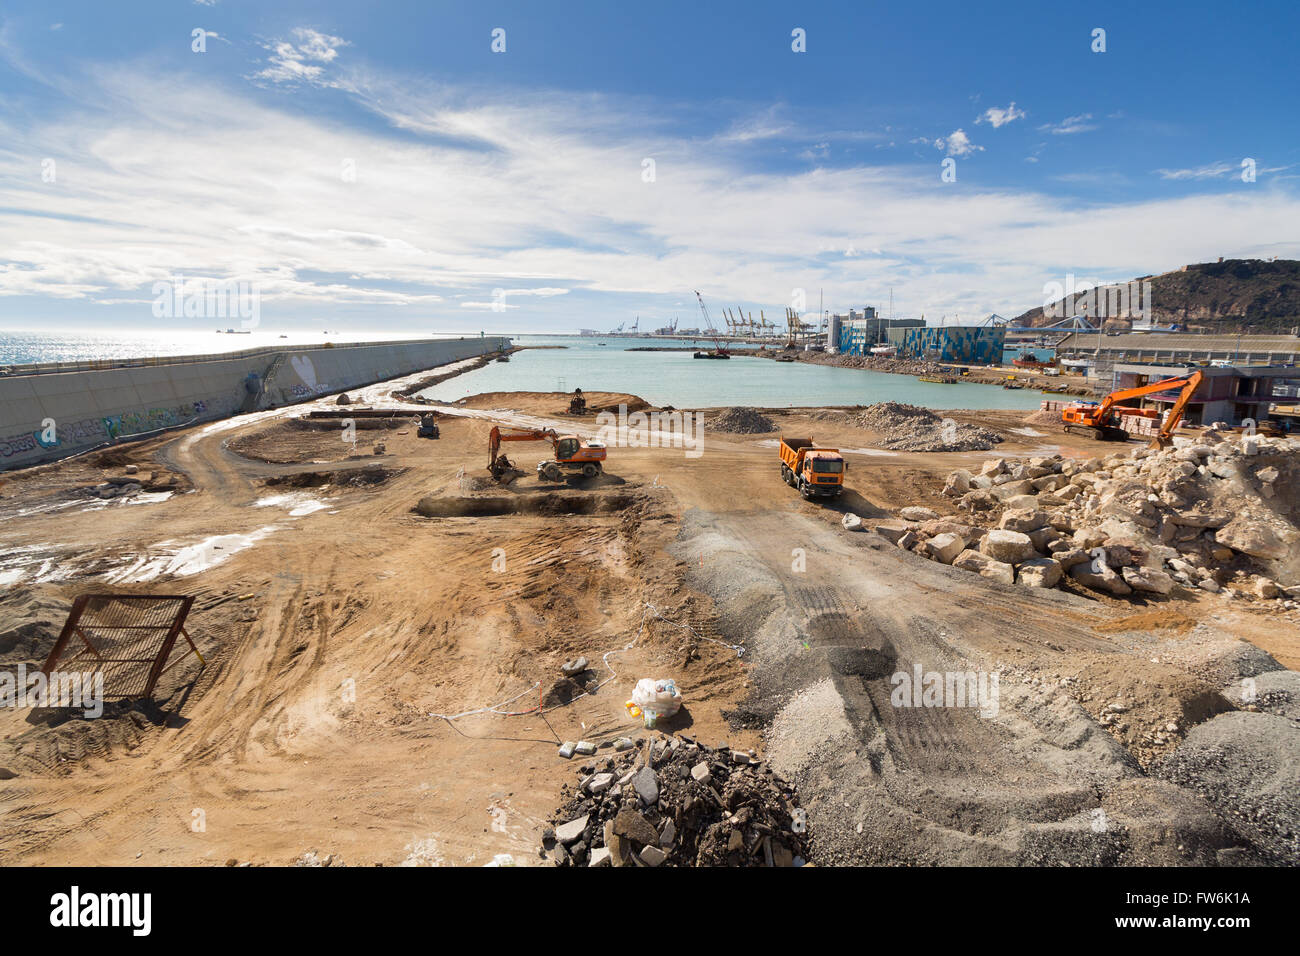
x: 1102, y: 420
x: 572, y: 454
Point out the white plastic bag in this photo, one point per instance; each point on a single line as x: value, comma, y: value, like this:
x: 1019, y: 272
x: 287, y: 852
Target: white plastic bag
x: 652, y: 699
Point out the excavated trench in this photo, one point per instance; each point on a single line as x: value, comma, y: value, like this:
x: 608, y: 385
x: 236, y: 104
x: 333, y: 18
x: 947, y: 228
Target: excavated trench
x: 539, y: 504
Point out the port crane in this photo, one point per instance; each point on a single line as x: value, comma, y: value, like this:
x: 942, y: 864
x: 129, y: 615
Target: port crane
x: 718, y: 351
x: 1103, y: 420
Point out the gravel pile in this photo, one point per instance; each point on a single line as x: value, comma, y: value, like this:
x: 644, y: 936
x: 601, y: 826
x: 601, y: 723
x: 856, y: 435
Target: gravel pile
x: 671, y: 801
x: 912, y: 428
x: 742, y: 421
x: 1247, y: 767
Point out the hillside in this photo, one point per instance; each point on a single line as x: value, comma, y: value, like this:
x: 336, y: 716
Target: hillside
x: 1227, y: 296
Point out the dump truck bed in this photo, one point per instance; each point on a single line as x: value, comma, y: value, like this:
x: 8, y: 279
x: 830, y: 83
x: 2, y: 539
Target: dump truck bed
x: 790, y: 449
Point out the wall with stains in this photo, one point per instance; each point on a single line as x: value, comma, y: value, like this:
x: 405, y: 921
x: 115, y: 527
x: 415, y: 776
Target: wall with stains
x: 47, y: 413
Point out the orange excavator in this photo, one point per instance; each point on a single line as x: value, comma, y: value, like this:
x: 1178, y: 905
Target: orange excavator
x: 572, y: 454
x: 1103, y: 420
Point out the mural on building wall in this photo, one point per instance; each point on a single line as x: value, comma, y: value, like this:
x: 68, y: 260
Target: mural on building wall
x: 972, y: 345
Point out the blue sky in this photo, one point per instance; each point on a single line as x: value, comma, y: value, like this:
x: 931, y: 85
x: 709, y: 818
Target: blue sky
x: 379, y: 166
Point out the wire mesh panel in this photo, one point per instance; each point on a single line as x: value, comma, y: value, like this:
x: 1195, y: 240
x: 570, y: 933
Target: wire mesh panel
x: 126, y: 637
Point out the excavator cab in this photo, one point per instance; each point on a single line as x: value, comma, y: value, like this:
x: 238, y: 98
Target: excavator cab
x: 566, y: 449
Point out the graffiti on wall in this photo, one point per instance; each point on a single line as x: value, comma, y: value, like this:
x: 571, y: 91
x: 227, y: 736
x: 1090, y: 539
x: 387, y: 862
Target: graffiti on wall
x: 148, y: 420
x: 74, y: 433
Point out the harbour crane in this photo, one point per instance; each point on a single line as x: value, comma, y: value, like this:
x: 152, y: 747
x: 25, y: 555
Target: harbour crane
x: 718, y: 351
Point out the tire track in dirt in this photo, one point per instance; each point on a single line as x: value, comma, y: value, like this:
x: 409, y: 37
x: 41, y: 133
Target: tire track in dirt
x: 915, y: 784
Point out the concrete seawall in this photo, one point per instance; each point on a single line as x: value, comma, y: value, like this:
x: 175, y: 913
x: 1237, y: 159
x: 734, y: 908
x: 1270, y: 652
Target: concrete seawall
x: 49, y: 412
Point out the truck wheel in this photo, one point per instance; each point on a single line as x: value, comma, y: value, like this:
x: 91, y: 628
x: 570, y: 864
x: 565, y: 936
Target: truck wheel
x: 589, y: 471
x: 785, y: 473
x: 552, y: 472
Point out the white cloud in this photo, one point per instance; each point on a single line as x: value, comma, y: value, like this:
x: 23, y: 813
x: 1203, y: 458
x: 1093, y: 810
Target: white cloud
x: 998, y: 117
x: 1070, y: 125
x: 539, y: 194
x: 293, y: 62
x: 957, y: 143
x: 1209, y: 171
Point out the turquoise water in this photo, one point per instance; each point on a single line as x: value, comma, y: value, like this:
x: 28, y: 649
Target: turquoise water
x: 675, y: 378
x: 1011, y: 353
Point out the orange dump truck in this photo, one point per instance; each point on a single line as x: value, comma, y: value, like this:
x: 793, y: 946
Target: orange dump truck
x: 816, y: 472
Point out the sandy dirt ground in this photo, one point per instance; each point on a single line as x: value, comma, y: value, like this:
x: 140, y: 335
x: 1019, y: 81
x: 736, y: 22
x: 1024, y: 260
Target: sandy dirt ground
x: 337, y: 624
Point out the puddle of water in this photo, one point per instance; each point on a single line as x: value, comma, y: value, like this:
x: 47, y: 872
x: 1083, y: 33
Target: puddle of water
x: 147, y: 498
x: 190, y: 559
x: 1027, y: 432
x: 35, y: 564
x: 877, y: 452
x: 297, y: 503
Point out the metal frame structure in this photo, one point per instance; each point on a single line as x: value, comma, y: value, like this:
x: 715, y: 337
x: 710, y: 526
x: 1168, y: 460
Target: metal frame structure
x: 128, y: 637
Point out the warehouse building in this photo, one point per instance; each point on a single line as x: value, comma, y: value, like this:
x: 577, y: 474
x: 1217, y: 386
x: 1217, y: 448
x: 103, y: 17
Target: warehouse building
x: 1104, y: 351
x: 959, y: 344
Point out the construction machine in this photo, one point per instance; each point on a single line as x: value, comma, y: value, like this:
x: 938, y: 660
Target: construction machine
x: 428, y: 426
x: 718, y: 351
x: 572, y: 454
x: 816, y: 472
x: 1103, y: 420
x: 578, y: 403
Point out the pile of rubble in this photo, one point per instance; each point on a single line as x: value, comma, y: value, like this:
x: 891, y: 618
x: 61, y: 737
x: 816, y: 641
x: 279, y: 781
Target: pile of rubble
x: 872, y: 363
x: 912, y: 428
x: 671, y: 801
x: 1219, y: 513
x: 742, y: 421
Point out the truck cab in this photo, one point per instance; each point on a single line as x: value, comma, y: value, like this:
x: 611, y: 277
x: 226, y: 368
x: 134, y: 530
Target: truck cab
x: 816, y: 472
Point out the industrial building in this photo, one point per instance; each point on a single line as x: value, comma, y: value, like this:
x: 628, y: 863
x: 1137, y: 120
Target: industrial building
x: 857, y: 332
x: 1104, y: 351
x: 960, y: 344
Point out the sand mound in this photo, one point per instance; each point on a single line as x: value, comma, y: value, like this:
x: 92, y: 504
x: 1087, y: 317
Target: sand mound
x: 742, y: 421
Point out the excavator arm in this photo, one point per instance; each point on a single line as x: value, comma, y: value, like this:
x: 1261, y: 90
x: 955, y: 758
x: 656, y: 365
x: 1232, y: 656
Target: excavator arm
x: 499, y: 435
x: 1166, y: 433
x: 1189, y: 384
x: 1101, y: 417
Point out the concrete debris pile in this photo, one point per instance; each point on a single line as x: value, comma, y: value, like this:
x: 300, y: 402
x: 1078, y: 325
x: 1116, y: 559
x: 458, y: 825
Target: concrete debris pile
x: 913, y: 428
x: 742, y: 421
x: 1221, y: 514
x: 671, y: 801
